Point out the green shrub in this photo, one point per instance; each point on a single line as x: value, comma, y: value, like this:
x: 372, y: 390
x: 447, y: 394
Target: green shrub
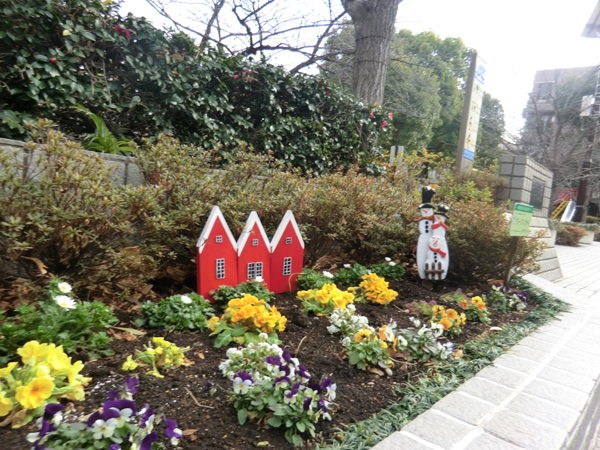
x: 350, y: 274
x: 389, y: 270
x: 178, y: 312
x: 570, y: 235
x: 478, y: 242
x: 59, y: 319
x: 142, y: 81
x: 59, y: 211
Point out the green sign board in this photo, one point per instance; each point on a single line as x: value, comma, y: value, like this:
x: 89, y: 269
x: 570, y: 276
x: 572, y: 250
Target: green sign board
x: 521, y: 220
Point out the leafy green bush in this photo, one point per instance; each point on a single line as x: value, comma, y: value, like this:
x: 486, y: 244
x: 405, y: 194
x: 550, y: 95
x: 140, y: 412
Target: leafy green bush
x: 570, y: 235
x: 178, y: 312
x: 142, y: 81
x: 61, y: 320
x: 351, y: 274
x: 389, y: 270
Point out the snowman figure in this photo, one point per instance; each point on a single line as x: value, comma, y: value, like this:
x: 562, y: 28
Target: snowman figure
x: 437, y: 259
x: 425, y: 223
x: 439, y: 228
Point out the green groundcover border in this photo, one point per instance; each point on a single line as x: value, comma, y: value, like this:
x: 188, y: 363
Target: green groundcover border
x: 444, y: 378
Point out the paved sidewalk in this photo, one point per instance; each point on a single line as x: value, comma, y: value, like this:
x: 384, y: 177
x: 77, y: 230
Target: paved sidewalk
x: 543, y: 394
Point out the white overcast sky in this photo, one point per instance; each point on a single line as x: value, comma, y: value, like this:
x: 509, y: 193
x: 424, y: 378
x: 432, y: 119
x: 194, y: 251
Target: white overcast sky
x: 514, y: 37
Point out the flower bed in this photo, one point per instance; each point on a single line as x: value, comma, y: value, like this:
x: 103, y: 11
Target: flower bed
x: 210, y: 421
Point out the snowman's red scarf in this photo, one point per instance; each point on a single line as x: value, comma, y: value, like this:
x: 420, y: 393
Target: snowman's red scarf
x: 439, y: 224
x: 437, y: 250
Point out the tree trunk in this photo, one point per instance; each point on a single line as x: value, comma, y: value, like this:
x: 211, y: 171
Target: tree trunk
x: 373, y: 27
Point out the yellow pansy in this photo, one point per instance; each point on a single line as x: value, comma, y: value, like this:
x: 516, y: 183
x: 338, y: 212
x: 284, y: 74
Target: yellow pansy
x: 361, y: 335
x: 476, y: 300
x: 35, y: 393
x: 445, y: 323
x: 451, y: 314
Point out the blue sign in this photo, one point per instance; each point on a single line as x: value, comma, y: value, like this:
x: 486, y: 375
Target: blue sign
x: 468, y: 154
x: 480, y: 73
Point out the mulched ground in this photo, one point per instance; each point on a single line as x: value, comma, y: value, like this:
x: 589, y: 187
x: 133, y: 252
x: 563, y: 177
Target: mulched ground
x: 210, y: 422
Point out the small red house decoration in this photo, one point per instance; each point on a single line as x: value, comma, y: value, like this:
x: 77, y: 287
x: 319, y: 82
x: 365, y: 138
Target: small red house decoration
x: 223, y: 261
x: 216, y: 255
x: 287, y: 255
x: 254, y: 252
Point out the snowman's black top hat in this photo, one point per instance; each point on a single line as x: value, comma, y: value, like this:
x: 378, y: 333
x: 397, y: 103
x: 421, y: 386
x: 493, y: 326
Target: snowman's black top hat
x: 427, y: 194
x: 442, y: 210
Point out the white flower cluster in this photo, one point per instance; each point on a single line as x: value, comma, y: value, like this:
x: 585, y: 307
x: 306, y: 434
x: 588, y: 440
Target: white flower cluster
x: 346, y: 321
x: 237, y: 359
x: 426, y: 340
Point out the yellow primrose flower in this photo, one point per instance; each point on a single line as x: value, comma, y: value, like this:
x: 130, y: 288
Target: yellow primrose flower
x: 212, y: 323
x: 77, y: 394
x: 35, y: 393
x: 352, y: 290
x: 33, y: 349
x: 329, y: 288
x: 155, y: 373
x: 361, y: 335
x: 74, y: 371
x: 7, y: 370
x: 322, y: 296
x: 158, y: 340
x: 304, y: 295
x: 159, y: 350
x: 58, y: 359
x: 129, y: 364
x: 6, y: 405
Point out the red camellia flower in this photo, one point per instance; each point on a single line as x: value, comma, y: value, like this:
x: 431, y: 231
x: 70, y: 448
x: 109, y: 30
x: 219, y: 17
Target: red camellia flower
x: 235, y: 76
x: 53, y: 60
x: 120, y: 30
x: 383, y: 124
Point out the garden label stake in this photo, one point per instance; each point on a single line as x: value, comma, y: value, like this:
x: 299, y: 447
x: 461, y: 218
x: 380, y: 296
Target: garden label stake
x: 519, y: 226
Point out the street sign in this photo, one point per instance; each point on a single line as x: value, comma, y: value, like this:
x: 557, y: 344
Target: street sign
x: 521, y: 220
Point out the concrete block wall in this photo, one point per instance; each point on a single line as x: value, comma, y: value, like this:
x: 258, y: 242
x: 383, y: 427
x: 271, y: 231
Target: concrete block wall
x: 125, y: 170
x: 520, y: 171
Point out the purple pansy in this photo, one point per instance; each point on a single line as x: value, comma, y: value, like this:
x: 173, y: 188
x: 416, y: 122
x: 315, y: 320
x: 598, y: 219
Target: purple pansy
x: 303, y: 373
x: 51, y: 409
x: 242, y: 382
x: 273, y: 360
x: 112, y: 395
x: 315, y: 387
x: 209, y: 385
x: 114, y: 447
x: 172, y: 431
x: 132, y: 385
x: 147, y: 414
x: 120, y: 405
x: 148, y: 441
x: 281, y: 381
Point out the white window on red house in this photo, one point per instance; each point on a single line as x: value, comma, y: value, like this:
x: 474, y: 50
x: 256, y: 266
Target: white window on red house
x: 251, y: 271
x: 254, y: 242
x: 259, y: 269
x: 288, y: 240
x: 220, y: 268
x: 287, y: 266
x: 219, y: 239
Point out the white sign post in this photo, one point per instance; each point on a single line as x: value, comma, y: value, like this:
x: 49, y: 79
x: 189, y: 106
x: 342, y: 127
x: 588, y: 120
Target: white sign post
x: 467, y: 139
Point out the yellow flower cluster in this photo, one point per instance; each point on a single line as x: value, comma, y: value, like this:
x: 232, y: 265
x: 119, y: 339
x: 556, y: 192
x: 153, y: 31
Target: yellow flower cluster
x: 253, y: 313
x: 163, y: 355
x: 47, y: 373
x: 376, y: 289
x: 326, y: 298
x: 477, y: 301
x: 448, y: 318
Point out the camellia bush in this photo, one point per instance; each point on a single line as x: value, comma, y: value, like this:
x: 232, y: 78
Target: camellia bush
x: 143, y: 81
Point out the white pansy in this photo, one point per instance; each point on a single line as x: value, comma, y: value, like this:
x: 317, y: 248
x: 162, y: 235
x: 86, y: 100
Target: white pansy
x: 63, y: 287
x: 327, y: 274
x: 392, y: 263
x: 388, y: 259
x: 65, y: 302
x: 185, y: 299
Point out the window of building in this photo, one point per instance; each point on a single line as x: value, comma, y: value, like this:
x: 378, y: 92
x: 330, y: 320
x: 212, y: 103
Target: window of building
x: 254, y: 242
x: 219, y: 239
x: 545, y: 92
x: 220, y: 268
x: 287, y: 266
x: 259, y: 269
x: 251, y: 272
x: 288, y: 240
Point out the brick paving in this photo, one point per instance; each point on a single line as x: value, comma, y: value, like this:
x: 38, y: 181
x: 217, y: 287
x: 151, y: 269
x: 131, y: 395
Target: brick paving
x: 542, y: 394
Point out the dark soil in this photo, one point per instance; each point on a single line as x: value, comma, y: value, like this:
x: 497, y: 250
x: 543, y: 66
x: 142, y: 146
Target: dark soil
x: 210, y: 422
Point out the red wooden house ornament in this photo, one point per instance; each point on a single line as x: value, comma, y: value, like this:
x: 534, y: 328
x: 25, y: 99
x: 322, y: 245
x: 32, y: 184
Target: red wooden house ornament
x: 254, y: 252
x: 216, y: 255
x: 287, y: 255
